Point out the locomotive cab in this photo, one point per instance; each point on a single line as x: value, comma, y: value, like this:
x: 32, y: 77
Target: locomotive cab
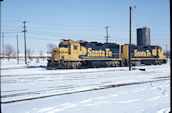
x: 67, y: 52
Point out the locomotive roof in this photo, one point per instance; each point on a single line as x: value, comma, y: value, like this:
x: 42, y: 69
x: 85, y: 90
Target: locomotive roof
x: 96, y: 43
x: 144, y: 46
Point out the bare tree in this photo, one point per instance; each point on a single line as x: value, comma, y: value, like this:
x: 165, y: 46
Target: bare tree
x: 41, y: 54
x: 9, y: 51
x: 50, y: 47
x: 167, y: 53
x: 29, y: 53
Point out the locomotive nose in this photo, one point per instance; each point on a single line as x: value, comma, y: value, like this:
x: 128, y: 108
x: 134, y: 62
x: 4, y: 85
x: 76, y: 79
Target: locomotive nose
x: 56, y: 54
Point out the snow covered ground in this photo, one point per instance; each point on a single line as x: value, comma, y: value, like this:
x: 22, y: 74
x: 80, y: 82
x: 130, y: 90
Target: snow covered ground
x: 34, y: 89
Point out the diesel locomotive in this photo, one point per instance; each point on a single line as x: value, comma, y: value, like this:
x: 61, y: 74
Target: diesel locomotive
x: 82, y: 54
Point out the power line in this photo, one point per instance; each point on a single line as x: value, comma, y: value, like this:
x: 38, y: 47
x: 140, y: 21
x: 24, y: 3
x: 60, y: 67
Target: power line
x: 66, y: 25
x: 42, y: 34
x: 152, y: 18
x: 41, y: 39
x: 59, y: 34
x: 11, y: 32
x: 90, y: 28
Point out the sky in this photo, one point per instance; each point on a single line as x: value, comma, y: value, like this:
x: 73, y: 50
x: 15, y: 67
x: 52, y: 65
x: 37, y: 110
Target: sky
x: 49, y: 21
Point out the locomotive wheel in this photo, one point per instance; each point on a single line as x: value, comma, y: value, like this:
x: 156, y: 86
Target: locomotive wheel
x: 72, y: 65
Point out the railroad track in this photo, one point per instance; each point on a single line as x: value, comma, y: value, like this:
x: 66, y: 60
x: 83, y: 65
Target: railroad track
x: 69, y: 73
x: 23, y: 67
x: 33, y: 77
x: 87, y: 90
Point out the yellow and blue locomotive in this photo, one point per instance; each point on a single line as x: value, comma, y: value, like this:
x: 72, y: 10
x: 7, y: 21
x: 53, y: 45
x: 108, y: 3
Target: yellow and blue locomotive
x: 83, y: 54
x: 143, y: 54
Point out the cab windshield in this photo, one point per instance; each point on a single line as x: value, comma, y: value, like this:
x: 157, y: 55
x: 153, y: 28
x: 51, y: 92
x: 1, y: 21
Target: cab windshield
x: 64, y: 45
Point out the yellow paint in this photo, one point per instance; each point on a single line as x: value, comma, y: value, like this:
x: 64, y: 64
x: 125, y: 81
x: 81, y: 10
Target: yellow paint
x: 70, y: 53
x: 146, y: 53
x: 161, y: 54
x: 100, y: 52
x: 125, y: 51
x: 108, y: 52
x: 154, y: 52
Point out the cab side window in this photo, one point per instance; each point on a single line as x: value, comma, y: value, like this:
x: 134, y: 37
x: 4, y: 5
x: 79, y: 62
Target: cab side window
x: 75, y: 47
x: 69, y: 46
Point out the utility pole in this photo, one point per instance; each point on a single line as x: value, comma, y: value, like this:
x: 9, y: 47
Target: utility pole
x: 130, y: 47
x: 166, y: 52
x: 0, y: 55
x: 17, y: 50
x: 130, y: 63
x: 0, y: 33
x: 107, y: 36
x: 3, y: 45
x: 170, y: 27
x: 25, y: 40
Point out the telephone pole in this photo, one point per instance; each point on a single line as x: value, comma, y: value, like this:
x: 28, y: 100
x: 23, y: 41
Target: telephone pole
x: 130, y: 48
x: 107, y: 36
x: 166, y: 52
x: 3, y: 45
x: 25, y: 40
x: 0, y: 55
x: 130, y: 64
x: 170, y: 27
x: 17, y: 50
